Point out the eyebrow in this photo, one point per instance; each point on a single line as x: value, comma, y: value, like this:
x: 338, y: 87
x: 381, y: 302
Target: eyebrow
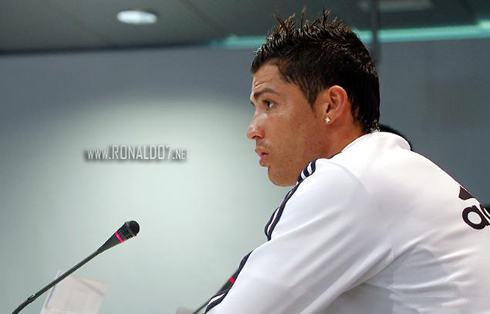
x: 259, y: 93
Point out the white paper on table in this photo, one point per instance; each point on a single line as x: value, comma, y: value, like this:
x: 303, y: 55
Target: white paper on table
x: 75, y: 295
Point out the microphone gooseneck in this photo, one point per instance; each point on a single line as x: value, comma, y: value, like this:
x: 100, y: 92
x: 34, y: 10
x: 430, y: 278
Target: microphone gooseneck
x: 128, y: 230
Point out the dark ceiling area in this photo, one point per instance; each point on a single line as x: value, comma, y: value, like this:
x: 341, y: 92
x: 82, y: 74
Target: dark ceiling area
x: 72, y: 25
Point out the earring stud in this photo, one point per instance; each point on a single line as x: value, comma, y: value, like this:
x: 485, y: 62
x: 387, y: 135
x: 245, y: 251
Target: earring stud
x: 327, y: 120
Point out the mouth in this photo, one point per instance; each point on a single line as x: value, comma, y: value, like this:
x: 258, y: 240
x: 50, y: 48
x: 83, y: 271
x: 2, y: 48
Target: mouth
x: 263, y: 154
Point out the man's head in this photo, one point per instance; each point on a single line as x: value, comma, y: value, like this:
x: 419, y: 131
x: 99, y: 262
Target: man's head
x: 324, y: 92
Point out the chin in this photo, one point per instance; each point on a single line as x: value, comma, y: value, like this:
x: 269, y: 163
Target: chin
x: 279, y: 180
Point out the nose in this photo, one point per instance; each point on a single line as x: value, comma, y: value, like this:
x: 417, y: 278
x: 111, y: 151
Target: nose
x: 255, y: 130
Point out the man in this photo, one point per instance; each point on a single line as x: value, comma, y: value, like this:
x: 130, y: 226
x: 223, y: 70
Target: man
x: 369, y: 226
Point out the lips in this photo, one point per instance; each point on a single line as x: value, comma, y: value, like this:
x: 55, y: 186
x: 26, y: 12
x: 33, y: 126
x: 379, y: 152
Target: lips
x: 263, y: 154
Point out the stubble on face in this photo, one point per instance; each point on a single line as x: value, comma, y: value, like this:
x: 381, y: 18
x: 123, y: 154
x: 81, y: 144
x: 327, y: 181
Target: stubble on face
x: 288, y: 132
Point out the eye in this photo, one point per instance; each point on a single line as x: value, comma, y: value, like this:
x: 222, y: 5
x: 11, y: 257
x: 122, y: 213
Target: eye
x: 269, y: 104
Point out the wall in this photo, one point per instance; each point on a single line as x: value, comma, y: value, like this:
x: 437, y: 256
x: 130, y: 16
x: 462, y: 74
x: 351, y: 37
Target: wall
x: 437, y: 93
x: 198, y: 217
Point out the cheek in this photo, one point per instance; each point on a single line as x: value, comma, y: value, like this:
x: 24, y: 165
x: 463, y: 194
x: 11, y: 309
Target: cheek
x: 305, y: 138
x: 291, y: 144
x: 285, y: 135
x: 291, y: 133
x: 303, y: 128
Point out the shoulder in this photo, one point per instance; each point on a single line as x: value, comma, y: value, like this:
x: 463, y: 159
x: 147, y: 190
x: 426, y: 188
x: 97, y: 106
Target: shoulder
x: 326, y: 191
x: 328, y: 179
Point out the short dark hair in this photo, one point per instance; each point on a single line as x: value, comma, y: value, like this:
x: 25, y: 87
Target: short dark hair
x: 320, y: 54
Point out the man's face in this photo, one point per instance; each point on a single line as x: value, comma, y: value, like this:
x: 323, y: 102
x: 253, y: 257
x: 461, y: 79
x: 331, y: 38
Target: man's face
x: 286, y: 129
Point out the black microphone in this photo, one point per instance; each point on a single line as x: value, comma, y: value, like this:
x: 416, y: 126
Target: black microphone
x: 127, y: 231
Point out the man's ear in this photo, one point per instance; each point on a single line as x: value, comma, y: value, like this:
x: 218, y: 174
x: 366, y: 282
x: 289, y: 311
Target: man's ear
x: 332, y: 103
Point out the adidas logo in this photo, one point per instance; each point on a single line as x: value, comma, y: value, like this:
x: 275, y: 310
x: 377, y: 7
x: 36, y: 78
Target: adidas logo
x: 476, y: 218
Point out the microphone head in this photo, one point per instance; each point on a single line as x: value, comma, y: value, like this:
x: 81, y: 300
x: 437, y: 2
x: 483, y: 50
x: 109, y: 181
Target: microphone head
x: 128, y: 230
x: 134, y: 227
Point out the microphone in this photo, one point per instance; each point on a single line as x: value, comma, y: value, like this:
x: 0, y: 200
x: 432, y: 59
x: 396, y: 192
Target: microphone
x: 128, y: 230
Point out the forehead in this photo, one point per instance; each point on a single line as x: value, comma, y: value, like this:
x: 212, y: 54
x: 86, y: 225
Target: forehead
x: 266, y: 79
x: 266, y: 74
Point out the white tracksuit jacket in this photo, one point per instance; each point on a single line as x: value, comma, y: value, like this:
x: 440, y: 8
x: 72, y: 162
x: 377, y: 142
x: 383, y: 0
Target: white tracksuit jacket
x: 376, y: 229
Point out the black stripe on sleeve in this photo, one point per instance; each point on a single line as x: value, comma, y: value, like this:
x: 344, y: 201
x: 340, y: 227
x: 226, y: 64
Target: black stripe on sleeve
x: 269, y: 228
x: 280, y: 211
x: 219, y: 297
x: 266, y: 229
